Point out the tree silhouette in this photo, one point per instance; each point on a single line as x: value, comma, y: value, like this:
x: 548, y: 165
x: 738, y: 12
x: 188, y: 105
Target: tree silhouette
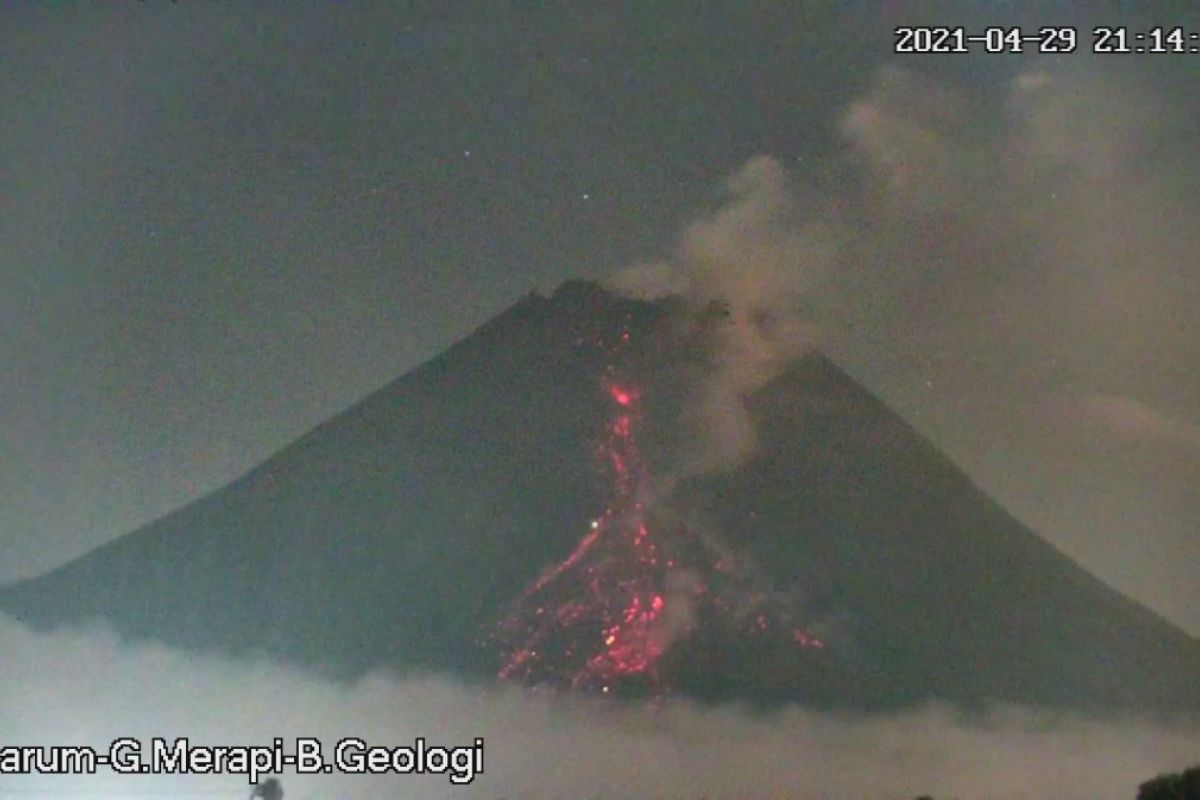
x: 270, y: 789
x: 1183, y: 786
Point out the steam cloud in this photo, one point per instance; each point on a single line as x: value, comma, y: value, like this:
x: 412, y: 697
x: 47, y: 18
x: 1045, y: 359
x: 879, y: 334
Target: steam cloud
x: 755, y: 257
x: 1132, y: 419
x: 87, y: 688
x: 1041, y: 231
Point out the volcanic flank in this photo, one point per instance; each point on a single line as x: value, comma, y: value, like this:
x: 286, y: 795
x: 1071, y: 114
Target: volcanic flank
x: 512, y: 509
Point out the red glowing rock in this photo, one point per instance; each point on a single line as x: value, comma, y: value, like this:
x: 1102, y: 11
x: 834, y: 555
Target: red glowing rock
x: 608, y: 597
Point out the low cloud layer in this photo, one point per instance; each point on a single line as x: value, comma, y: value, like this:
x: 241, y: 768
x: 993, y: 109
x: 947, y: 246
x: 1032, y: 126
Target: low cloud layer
x: 88, y: 688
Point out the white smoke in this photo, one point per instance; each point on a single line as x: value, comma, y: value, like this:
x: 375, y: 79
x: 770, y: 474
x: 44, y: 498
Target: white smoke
x: 758, y: 260
x: 965, y: 226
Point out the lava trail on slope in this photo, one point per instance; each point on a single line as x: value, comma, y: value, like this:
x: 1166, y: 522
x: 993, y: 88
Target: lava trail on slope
x: 637, y: 584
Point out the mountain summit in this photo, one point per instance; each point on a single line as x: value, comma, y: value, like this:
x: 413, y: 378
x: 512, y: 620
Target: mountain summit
x: 515, y: 508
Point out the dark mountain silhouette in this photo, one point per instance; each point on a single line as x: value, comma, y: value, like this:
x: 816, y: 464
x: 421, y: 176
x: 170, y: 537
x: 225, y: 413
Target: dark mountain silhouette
x: 870, y: 572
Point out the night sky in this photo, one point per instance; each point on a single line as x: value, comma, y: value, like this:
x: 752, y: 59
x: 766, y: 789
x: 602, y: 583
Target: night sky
x: 222, y: 223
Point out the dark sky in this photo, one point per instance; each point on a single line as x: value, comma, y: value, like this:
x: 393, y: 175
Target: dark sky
x: 221, y: 223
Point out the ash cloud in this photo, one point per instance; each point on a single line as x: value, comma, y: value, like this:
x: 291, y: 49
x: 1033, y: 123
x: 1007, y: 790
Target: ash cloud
x: 978, y: 256
x: 756, y: 259
x: 87, y: 687
x: 955, y: 215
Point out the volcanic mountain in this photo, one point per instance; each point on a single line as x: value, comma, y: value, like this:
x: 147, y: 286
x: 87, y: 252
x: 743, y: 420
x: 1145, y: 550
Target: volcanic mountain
x: 513, y: 509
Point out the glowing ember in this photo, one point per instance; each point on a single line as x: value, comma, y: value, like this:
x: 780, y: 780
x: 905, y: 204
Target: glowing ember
x: 608, y: 626
x: 624, y: 395
x: 803, y: 639
x: 607, y: 613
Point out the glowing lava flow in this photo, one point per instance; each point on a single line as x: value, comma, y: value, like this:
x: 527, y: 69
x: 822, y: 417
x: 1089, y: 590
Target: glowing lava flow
x: 606, y: 615
x: 609, y: 628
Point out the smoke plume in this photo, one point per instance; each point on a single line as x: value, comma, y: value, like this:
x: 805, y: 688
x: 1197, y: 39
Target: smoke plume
x: 1012, y: 268
x: 756, y: 261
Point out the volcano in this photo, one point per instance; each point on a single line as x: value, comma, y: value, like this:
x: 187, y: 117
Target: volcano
x: 510, y: 510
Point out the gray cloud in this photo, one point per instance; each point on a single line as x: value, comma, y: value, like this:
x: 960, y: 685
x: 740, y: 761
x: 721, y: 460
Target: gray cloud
x: 88, y: 688
x: 1012, y: 251
x: 759, y: 258
x: 1129, y: 419
x: 977, y: 257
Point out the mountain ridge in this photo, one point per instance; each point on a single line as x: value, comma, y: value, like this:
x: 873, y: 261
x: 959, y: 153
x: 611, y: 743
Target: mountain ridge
x: 475, y: 471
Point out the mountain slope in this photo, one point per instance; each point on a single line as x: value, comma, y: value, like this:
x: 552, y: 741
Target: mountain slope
x: 403, y: 532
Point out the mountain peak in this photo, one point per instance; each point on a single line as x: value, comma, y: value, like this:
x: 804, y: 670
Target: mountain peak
x: 509, y: 509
